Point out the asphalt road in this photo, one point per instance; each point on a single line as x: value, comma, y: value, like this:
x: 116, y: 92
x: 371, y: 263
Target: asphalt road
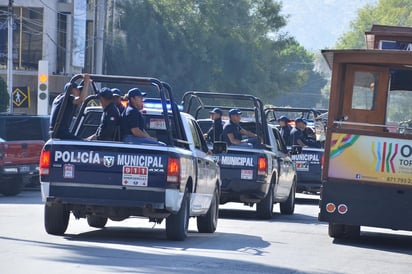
x: 242, y: 244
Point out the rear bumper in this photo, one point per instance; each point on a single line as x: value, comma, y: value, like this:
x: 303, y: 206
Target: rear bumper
x: 385, y: 206
x: 25, y: 169
x: 244, y: 191
x: 110, y: 196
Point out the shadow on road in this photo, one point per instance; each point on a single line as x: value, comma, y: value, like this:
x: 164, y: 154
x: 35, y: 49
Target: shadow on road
x: 28, y: 196
x: 380, y: 241
x: 122, y: 258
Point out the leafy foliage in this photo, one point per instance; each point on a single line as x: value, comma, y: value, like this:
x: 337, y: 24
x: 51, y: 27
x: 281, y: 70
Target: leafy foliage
x: 209, y: 45
x: 4, y: 96
x: 386, y: 12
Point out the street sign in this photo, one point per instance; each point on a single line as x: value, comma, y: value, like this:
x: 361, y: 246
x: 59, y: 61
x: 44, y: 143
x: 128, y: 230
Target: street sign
x: 21, y: 97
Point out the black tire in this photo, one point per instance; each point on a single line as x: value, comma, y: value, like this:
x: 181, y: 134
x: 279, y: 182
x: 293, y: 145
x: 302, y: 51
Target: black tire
x: 11, y: 186
x: 288, y: 207
x: 336, y: 230
x: 56, y: 219
x: 208, y: 223
x: 339, y: 231
x: 96, y: 221
x: 352, y: 231
x: 177, y: 225
x: 264, y: 209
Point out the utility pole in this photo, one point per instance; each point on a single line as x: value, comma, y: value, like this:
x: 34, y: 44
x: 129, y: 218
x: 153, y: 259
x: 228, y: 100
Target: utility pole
x: 10, y: 54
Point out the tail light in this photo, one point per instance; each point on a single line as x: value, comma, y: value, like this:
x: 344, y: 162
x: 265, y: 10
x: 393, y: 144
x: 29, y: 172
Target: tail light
x: 322, y: 161
x: 173, y: 171
x: 45, y: 163
x: 262, y: 166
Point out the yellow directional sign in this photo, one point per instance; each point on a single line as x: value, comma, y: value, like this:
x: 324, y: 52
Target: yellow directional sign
x: 21, y: 97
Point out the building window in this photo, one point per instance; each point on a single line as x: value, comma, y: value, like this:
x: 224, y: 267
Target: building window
x: 27, y: 37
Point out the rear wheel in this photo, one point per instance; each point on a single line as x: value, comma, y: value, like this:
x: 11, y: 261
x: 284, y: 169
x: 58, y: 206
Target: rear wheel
x: 264, y: 208
x: 288, y: 206
x: 208, y: 222
x: 56, y: 219
x: 96, y: 221
x: 177, y: 224
x: 11, y: 186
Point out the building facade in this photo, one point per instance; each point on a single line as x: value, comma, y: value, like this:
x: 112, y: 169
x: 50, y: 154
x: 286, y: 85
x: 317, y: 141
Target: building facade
x: 68, y: 34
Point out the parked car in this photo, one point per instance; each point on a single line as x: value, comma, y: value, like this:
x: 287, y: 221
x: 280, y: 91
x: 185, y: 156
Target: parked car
x: 21, y: 140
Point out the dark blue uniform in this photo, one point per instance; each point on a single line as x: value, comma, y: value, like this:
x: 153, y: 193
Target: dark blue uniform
x: 231, y: 128
x: 108, y: 123
x: 63, y: 131
x: 131, y: 118
x: 215, y: 131
x: 286, y: 134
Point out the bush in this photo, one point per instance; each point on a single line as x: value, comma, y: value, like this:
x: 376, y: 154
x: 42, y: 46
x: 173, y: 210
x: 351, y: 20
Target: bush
x: 4, y: 96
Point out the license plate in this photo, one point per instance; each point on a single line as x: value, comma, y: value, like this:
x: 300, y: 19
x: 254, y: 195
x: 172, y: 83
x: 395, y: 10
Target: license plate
x: 24, y: 169
x: 246, y: 174
x: 134, y: 176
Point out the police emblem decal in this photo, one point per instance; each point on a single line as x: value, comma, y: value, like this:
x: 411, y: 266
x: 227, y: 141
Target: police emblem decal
x: 108, y: 161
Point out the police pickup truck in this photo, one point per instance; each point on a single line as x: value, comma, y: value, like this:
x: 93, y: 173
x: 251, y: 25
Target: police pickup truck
x: 309, y: 160
x: 260, y: 175
x: 100, y: 180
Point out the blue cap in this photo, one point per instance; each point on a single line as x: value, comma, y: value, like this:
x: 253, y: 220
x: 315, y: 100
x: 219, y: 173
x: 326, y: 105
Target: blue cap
x: 117, y: 92
x: 234, y: 111
x: 106, y: 93
x: 283, y: 118
x: 297, y: 120
x: 216, y: 110
x: 72, y: 85
x: 135, y: 92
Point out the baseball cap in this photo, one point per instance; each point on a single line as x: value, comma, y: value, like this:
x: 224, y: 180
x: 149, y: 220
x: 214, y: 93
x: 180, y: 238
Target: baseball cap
x: 283, y: 118
x: 297, y: 120
x: 106, y: 93
x: 135, y: 92
x: 72, y: 85
x: 234, y: 111
x: 216, y: 110
x: 117, y: 92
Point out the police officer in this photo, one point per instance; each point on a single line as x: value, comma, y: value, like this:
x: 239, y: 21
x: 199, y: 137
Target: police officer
x: 302, y: 135
x: 117, y: 95
x: 133, y: 123
x: 285, y: 129
x: 110, y: 119
x: 215, y: 131
x: 77, y: 95
x: 232, y: 132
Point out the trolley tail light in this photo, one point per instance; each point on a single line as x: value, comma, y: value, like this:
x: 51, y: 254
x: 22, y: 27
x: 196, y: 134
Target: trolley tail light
x: 173, y: 171
x: 262, y: 166
x: 44, y: 163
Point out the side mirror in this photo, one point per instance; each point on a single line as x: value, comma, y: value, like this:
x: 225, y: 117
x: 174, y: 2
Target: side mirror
x: 219, y: 147
x: 296, y: 149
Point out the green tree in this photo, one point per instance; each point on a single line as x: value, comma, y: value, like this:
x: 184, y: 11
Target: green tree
x: 4, y: 96
x: 224, y: 46
x: 385, y: 12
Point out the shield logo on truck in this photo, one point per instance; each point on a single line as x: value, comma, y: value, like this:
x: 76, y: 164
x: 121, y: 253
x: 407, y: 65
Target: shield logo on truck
x: 108, y: 161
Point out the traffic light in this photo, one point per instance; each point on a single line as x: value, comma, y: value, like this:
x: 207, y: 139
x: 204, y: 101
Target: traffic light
x: 43, y: 88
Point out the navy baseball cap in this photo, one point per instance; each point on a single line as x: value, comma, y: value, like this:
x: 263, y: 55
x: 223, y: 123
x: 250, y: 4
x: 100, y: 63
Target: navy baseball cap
x: 117, y: 92
x: 216, y: 110
x: 135, y: 92
x: 106, y: 93
x: 72, y: 85
x: 283, y: 118
x: 297, y: 120
x: 234, y: 111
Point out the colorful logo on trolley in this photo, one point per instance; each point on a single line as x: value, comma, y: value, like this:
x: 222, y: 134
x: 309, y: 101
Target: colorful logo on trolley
x: 384, y: 154
x: 341, y: 143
